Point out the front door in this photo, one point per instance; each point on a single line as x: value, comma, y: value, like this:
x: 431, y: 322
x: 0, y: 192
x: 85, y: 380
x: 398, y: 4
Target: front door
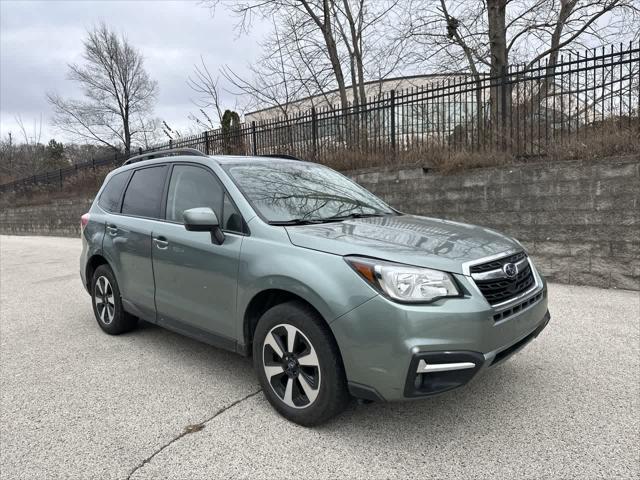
x: 196, y: 280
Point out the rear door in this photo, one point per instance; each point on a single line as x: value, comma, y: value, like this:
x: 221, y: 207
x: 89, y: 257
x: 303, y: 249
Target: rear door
x: 128, y: 239
x: 196, y: 280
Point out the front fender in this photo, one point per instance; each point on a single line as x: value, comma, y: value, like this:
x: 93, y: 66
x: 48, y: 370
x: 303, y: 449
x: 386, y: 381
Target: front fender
x: 324, y: 280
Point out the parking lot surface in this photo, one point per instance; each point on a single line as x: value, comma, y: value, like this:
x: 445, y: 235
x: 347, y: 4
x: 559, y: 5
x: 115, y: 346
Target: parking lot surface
x: 77, y: 403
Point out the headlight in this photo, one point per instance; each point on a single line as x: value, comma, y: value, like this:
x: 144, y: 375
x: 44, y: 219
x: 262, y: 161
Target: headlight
x: 405, y: 283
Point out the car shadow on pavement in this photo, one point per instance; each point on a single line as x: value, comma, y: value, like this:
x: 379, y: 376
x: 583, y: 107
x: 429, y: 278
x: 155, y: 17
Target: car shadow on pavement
x: 184, y: 355
x: 497, y: 401
x: 506, y: 387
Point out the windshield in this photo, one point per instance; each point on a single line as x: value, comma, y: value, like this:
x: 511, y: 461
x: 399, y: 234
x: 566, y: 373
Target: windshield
x: 303, y: 193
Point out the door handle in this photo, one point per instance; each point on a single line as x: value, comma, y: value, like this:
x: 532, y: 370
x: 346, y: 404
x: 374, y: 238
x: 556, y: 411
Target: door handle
x: 161, y: 243
x: 112, y: 230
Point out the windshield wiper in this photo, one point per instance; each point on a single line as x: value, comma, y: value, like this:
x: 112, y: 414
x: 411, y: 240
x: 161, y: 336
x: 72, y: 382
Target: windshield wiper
x: 353, y: 215
x: 295, y: 221
x: 315, y: 221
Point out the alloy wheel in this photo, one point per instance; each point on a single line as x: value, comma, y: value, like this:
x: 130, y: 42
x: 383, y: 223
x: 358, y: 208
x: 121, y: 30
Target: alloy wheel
x: 291, y: 365
x: 104, y: 300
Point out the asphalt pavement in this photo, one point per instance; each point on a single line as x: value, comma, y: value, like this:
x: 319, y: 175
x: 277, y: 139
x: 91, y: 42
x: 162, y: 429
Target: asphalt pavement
x: 77, y: 403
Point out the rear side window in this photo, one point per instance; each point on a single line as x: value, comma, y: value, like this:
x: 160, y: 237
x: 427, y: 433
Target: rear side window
x: 110, y: 196
x: 192, y: 187
x: 144, y: 193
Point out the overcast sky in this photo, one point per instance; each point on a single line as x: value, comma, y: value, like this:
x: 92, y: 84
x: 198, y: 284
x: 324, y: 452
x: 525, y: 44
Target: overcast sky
x: 39, y: 39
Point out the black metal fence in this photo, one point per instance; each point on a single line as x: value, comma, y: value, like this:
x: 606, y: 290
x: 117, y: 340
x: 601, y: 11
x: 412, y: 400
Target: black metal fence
x: 527, y: 111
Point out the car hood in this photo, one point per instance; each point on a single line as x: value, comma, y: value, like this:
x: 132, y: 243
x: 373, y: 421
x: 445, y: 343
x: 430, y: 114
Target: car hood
x: 408, y: 239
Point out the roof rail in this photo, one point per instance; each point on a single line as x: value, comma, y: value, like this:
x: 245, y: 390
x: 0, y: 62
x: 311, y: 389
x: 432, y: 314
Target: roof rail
x: 286, y: 156
x: 165, y: 153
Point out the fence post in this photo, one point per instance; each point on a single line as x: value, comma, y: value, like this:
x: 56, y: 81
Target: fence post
x: 314, y: 129
x: 206, y: 142
x: 60, y: 176
x: 393, y: 121
x: 93, y: 163
x: 503, y: 110
x: 254, y: 138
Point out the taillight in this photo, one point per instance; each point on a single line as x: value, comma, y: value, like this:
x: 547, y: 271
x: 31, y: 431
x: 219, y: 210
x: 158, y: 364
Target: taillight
x: 84, y: 219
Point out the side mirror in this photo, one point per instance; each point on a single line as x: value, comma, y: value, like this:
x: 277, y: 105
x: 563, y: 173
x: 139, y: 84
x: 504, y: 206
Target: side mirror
x: 203, y: 219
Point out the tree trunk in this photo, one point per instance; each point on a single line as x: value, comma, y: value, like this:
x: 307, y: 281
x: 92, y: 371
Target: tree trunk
x: 326, y: 28
x: 127, y: 135
x: 565, y: 11
x: 336, y: 66
x: 500, y: 91
x: 354, y: 79
x: 359, y: 66
x: 363, y: 134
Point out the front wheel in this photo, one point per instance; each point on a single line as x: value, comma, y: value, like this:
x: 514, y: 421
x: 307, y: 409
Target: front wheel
x: 298, y: 364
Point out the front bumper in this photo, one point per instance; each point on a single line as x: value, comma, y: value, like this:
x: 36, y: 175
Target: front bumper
x: 382, y: 342
x: 436, y: 372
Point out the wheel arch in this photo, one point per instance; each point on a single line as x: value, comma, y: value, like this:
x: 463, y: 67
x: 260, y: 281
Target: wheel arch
x: 92, y: 264
x: 263, y: 301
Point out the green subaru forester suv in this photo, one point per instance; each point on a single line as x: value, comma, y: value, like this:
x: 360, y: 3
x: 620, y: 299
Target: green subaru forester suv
x: 332, y: 292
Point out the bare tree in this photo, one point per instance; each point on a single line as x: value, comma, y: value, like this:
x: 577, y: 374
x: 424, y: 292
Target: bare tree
x: 119, y: 94
x: 276, y: 78
x: 310, y: 66
x: 360, y: 25
x: 319, y: 13
x: 205, y: 86
x: 486, y: 37
x: 322, y: 16
x: 319, y: 43
x: 150, y: 132
x: 28, y: 155
x: 491, y: 35
x: 33, y: 137
x: 6, y: 155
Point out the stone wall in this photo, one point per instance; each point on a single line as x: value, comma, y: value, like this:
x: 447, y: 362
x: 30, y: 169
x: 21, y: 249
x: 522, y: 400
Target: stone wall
x: 580, y: 221
x: 59, y: 218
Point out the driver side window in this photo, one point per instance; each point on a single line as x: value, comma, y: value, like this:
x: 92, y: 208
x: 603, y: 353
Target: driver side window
x: 192, y: 187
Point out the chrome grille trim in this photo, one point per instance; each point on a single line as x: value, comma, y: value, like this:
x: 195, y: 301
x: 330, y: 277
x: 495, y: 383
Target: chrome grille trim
x: 498, y: 272
x: 466, y: 266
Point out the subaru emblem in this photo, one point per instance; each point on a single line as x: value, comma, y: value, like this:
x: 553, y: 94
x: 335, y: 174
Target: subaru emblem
x: 510, y: 270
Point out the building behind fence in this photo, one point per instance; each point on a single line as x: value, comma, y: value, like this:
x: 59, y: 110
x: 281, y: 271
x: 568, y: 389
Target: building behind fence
x: 527, y: 111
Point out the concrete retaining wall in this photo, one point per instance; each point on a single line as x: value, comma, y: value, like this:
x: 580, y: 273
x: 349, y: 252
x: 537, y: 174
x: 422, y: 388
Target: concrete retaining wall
x: 580, y: 221
x: 60, y: 218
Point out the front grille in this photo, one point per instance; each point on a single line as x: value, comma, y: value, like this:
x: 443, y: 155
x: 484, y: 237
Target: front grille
x: 494, y: 265
x: 498, y: 290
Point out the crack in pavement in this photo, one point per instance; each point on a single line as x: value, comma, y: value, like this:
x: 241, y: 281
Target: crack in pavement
x: 189, y: 429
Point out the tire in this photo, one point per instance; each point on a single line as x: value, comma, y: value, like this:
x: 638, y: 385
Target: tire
x: 107, y: 303
x: 306, y: 384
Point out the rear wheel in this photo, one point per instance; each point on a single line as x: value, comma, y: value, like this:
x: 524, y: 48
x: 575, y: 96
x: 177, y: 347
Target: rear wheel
x: 298, y: 364
x: 107, y: 304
